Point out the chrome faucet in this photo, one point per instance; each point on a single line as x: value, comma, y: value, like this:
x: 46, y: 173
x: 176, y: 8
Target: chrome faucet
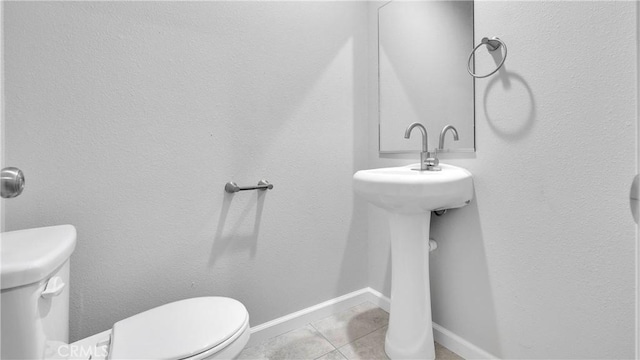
x: 427, y: 163
x: 444, y: 132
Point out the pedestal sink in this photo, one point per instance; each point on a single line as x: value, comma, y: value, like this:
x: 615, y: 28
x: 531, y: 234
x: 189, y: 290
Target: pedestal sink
x: 409, y: 196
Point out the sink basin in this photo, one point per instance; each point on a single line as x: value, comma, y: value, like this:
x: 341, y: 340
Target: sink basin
x: 403, y: 190
x: 408, y: 196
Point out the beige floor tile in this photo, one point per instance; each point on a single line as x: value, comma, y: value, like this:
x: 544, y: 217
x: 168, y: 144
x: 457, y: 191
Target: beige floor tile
x: 442, y: 353
x: 369, y: 347
x: 358, y: 333
x: 253, y: 353
x: 303, y: 343
x: 352, y: 324
x: 334, y: 355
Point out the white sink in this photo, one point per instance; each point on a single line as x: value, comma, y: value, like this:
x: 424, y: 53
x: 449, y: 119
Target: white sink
x: 409, y: 196
x: 403, y: 190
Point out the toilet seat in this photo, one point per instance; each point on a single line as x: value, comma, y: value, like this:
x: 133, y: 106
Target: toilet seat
x: 185, y: 329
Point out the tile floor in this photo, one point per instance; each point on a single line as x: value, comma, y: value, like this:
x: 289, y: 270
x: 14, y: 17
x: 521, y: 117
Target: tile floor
x: 356, y: 333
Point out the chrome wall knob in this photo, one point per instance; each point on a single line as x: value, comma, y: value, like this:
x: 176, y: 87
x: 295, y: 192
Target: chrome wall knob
x: 11, y: 182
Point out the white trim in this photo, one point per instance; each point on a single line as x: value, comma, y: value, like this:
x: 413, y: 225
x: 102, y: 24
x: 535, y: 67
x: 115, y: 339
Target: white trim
x: 300, y: 318
x: 378, y: 299
x: 459, y: 345
x: 443, y: 336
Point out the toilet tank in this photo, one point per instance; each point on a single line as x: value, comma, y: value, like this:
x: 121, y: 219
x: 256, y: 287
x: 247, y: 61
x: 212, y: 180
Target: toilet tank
x: 35, y: 291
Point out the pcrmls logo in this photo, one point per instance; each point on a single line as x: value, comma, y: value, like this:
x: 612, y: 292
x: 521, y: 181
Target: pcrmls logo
x: 83, y: 352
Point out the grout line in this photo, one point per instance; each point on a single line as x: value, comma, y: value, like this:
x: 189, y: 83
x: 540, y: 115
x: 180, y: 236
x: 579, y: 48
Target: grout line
x: 313, y: 313
x: 367, y: 334
x: 318, y: 357
x: 343, y: 355
x: 265, y: 342
x: 356, y: 339
x: 377, y: 305
x: 324, y: 337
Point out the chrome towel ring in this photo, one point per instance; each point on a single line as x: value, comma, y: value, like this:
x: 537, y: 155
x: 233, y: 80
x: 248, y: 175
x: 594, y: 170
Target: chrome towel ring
x: 493, y: 44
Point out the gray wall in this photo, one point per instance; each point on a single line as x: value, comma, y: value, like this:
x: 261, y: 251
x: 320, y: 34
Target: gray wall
x: 129, y: 117
x: 542, y: 263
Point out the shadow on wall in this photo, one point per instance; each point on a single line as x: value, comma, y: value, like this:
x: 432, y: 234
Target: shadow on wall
x: 158, y: 90
x: 356, y: 242
x: 242, y: 235
x: 379, y: 250
x: 509, y: 126
x: 461, y: 290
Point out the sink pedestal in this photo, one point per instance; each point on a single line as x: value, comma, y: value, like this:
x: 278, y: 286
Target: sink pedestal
x: 410, y: 333
x: 408, y: 197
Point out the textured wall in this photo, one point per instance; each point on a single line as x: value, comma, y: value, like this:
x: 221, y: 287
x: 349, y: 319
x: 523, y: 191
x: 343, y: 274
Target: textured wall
x: 638, y: 169
x: 541, y: 264
x: 129, y: 117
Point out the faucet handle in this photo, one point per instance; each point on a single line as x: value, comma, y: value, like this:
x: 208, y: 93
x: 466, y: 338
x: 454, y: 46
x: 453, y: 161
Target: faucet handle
x: 432, y: 159
x: 432, y: 162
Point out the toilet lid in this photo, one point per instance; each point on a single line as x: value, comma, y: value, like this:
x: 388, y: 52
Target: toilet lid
x: 178, y: 330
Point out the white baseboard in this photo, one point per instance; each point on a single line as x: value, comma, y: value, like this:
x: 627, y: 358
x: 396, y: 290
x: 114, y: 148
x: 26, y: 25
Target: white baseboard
x: 378, y: 299
x: 300, y: 318
x: 459, y: 345
x: 443, y: 336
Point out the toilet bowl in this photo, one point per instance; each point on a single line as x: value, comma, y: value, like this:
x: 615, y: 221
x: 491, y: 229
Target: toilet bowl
x: 35, y: 312
x: 194, y: 329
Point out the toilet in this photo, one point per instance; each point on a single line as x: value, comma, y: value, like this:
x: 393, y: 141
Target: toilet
x: 35, y: 311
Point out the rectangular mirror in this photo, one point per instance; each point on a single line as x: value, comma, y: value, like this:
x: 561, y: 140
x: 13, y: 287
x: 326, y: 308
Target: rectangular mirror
x: 423, y: 49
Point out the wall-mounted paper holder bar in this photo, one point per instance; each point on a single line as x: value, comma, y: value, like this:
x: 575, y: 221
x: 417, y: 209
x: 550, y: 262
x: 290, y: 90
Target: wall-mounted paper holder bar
x: 232, y: 187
